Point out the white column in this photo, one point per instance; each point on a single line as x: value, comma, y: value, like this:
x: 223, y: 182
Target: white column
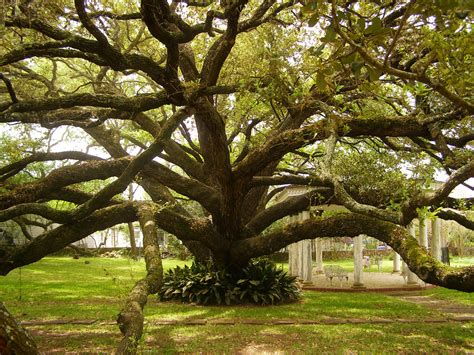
x: 423, y: 233
x: 299, y: 246
x: 436, y: 239
x: 319, y: 256
x: 290, y: 255
x: 358, y: 267
x: 411, y: 277
x: 290, y: 259
x: 307, y: 262
x: 307, y: 255
x: 293, y: 254
x: 396, y: 262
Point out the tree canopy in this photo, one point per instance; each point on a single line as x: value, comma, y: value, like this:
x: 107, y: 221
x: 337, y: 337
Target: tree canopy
x: 213, y: 108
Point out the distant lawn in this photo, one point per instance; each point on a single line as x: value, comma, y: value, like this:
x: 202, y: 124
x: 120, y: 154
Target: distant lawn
x: 95, y: 288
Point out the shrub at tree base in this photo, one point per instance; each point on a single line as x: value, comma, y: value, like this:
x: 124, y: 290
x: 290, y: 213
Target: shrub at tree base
x: 260, y: 282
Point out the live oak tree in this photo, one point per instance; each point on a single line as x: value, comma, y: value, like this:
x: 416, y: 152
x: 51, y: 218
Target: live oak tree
x: 213, y: 108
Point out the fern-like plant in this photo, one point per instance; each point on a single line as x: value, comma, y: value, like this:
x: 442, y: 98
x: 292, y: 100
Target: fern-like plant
x: 260, y: 282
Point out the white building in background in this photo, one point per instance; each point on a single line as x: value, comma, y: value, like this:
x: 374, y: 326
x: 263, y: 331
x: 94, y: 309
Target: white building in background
x: 110, y: 238
x: 115, y: 237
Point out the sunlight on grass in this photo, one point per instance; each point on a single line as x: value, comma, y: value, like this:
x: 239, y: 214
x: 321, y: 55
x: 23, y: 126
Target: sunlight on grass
x: 64, y: 288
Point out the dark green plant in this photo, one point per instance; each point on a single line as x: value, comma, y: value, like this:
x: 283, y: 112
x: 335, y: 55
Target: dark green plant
x: 176, y: 248
x: 260, y: 282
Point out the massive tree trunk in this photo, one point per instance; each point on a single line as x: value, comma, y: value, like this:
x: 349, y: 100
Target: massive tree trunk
x: 14, y: 339
x: 213, y: 118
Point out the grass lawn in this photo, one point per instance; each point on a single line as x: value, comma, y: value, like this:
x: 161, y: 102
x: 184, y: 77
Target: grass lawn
x: 95, y: 289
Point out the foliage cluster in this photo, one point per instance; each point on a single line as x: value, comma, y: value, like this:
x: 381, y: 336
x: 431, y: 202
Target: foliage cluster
x: 260, y: 282
x: 176, y: 248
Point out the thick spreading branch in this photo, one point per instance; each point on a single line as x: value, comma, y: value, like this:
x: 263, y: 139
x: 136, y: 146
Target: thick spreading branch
x: 458, y: 100
x: 58, y: 238
x: 63, y: 177
x: 352, y: 225
x: 137, y: 103
x: 131, y: 318
x: 429, y: 198
x: 14, y: 339
x: 14, y: 168
x: 133, y: 168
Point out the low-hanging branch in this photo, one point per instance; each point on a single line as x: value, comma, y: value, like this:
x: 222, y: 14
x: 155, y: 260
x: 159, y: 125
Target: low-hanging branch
x: 352, y: 225
x: 63, y: 177
x: 435, y: 197
x: 131, y: 317
x: 60, y: 237
x: 133, y: 168
x: 14, y: 168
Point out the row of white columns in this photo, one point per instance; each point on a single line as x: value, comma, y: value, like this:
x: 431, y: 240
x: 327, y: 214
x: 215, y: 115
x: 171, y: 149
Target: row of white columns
x: 301, y: 254
x: 301, y: 261
x: 423, y: 240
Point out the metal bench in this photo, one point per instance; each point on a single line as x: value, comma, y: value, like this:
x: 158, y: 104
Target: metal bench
x: 335, y: 271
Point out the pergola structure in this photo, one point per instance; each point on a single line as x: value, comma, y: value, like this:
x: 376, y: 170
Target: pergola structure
x: 300, y: 254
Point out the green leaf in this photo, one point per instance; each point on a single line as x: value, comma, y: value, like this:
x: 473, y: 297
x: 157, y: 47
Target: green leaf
x: 361, y: 24
x: 330, y: 34
x: 321, y: 82
x: 317, y: 51
x: 349, y: 58
x: 374, y: 73
x: 375, y: 27
x: 313, y: 20
x: 356, y: 67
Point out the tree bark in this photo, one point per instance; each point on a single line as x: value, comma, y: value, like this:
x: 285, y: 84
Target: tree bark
x: 133, y: 244
x: 14, y: 339
x: 352, y: 225
x: 131, y: 318
x: 131, y: 229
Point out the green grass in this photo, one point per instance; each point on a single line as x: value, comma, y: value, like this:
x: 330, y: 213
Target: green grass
x: 95, y: 288
x: 310, y: 339
x: 387, y: 265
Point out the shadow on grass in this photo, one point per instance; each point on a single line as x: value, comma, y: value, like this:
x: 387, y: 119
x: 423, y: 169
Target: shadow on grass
x: 309, y: 338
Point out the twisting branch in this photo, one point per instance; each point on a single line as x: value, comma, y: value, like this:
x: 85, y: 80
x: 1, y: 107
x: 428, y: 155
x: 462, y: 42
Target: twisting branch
x: 293, y: 205
x: 60, y: 237
x: 454, y: 216
x: 10, y: 89
x: 399, y: 31
x: 429, y: 198
x: 287, y: 179
x: 34, y: 208
x: 15, y: 168
x: 133, y: 168
x: 131, y: 318
x: 352, y: 205
x: 89, y: 25
x: 352, y: 225
x: 24, y: 229
x: 458, y: 100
